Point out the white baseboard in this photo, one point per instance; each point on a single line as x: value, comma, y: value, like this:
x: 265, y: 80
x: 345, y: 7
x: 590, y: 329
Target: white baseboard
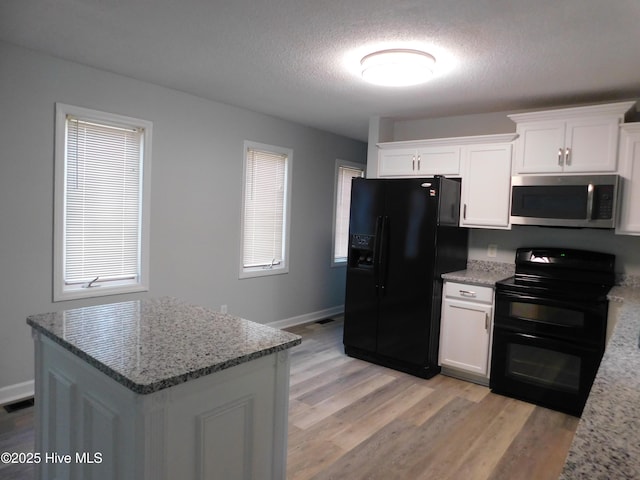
x: 308, y: 317
x: 19, y: 391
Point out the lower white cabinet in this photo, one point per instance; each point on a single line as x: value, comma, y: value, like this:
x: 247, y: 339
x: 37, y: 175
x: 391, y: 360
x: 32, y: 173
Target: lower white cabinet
x: 466, y: 331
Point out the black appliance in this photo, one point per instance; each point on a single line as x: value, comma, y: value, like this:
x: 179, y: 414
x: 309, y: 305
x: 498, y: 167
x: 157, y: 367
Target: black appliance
x: 550, y: 326
x: 586, y: 201
x: 403, y: 235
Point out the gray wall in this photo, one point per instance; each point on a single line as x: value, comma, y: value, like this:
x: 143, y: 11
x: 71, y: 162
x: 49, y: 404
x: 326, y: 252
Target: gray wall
x: 195, y: 199
x: 626, y: 248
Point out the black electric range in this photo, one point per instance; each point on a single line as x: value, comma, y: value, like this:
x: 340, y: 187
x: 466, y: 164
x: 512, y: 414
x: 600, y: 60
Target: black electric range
x: 550, y: 326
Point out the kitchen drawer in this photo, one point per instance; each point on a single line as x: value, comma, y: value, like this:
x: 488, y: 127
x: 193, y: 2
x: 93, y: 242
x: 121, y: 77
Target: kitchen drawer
x: 475, y: 293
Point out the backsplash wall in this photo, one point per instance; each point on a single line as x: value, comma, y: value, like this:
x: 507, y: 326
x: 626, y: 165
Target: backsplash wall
x: 626, y: 248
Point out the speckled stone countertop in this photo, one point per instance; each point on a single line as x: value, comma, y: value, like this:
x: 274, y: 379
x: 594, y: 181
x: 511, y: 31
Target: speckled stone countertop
x: 152, y: 344
x: 481, y: 273
x: 607, y: 441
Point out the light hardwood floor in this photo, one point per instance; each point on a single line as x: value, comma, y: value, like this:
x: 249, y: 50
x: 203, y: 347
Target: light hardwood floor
x: 350, y: 419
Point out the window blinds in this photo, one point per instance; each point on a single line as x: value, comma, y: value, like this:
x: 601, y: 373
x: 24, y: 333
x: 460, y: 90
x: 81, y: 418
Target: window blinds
x: 264, y: 208
x: 343, y: 203
x: 102, y: 202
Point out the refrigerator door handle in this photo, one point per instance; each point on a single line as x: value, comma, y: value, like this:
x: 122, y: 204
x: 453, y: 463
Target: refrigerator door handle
x: 376, y: 254
x: 382, y: 255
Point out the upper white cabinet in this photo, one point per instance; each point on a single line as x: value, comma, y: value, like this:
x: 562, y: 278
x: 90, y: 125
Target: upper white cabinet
x: 486, y: 185
x: 425, y: 158
x: 629, y: 220
x: 483, y: 162
x: 569, y: 140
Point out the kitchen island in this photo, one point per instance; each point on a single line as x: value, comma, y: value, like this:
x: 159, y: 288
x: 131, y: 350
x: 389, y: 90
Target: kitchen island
x: 159, y: 389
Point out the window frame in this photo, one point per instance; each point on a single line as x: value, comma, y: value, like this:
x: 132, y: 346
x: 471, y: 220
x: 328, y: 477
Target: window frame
x: 283, y: 267
x: 342, y: 261
x: 61, y: 291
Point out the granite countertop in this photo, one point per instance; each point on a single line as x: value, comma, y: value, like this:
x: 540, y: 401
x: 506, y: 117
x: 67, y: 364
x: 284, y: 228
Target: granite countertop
x: 152, y: 344
x: 607, y: 441
x: 481, y: 273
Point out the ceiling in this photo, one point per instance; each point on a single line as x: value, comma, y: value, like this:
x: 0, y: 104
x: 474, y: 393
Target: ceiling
x: 298, y: 59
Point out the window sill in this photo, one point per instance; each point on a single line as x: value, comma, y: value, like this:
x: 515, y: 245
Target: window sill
x: 262, y: 272
x: 99, y: 291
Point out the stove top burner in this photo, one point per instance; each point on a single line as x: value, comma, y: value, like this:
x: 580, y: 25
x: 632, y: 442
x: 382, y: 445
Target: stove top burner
x: 549, y: 288
x: 556, y: 266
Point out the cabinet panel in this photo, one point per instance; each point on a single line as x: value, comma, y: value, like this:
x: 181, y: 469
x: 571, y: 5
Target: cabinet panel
x: 592, y: 144
x: 486, y: 186
x: 397, y: 162
x: 465, y: 335
x: 629, y: 222
x: 538, y: 147
x: 444, y: 160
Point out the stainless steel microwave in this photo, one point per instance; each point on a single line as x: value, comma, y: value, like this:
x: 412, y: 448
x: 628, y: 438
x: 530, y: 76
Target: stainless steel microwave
x: 565, y: 200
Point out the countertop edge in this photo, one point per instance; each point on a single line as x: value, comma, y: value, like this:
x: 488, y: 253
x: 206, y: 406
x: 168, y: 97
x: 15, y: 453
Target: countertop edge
x: 476, y: 277
x: 606, y: 443
x: 145, y: 389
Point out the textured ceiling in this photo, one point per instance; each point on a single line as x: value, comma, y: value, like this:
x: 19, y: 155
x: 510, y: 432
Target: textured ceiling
x: 298, y: 59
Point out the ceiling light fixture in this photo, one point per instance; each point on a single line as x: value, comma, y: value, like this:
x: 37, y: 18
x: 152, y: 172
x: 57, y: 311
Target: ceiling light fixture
x: 397, y: 67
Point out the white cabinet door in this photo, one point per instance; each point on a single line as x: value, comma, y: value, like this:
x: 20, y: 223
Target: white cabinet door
x: 442, y: 160
x: 591, y: 145
x: 629, y: 221
x: 540, y: 147
x: 465, y: 336
x: 486, y: 186
x: 399, y: 162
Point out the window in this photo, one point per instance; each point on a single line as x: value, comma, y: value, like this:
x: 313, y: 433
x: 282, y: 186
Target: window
x: 265, y: 210
x: 345, y: 173
x: 102, y: 177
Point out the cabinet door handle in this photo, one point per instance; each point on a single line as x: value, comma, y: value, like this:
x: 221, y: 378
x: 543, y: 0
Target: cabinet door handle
x: 413, y: 162
x: 464, y: 212
x: 418, y: 162
x: 560, y: 156
x: 567, y: 156
x: 467, y: 293
x: 486, y: 321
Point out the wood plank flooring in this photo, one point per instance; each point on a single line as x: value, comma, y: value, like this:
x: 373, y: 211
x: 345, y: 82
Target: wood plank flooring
x: 350, y: 419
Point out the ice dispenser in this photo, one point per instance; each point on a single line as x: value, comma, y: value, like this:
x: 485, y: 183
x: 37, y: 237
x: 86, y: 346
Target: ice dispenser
x: 361, y: 251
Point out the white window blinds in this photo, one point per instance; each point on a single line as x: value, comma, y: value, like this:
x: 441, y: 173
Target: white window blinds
x: 264, y: 208
x: 343, y: 203
x: 102, y: 202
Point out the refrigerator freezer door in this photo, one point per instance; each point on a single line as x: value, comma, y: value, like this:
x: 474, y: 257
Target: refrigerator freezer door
x: 361, y: 304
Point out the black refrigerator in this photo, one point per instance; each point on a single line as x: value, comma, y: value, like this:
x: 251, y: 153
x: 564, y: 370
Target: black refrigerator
x: 403, y: 234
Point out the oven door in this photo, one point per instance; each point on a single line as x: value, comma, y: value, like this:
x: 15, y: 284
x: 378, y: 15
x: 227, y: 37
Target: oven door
x: 574, y: 319
x: 548, y: 372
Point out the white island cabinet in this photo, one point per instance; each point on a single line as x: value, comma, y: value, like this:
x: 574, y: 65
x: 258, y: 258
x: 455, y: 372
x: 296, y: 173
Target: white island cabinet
x: 159, y: 389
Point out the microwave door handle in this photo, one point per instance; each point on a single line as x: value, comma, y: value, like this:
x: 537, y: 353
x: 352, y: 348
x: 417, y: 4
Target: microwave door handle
x: 590, y: 189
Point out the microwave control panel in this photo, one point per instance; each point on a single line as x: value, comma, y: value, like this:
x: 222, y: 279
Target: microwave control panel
x: 602, y: 202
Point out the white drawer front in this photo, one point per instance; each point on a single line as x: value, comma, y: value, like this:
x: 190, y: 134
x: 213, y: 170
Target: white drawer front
x: 465, y: 291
